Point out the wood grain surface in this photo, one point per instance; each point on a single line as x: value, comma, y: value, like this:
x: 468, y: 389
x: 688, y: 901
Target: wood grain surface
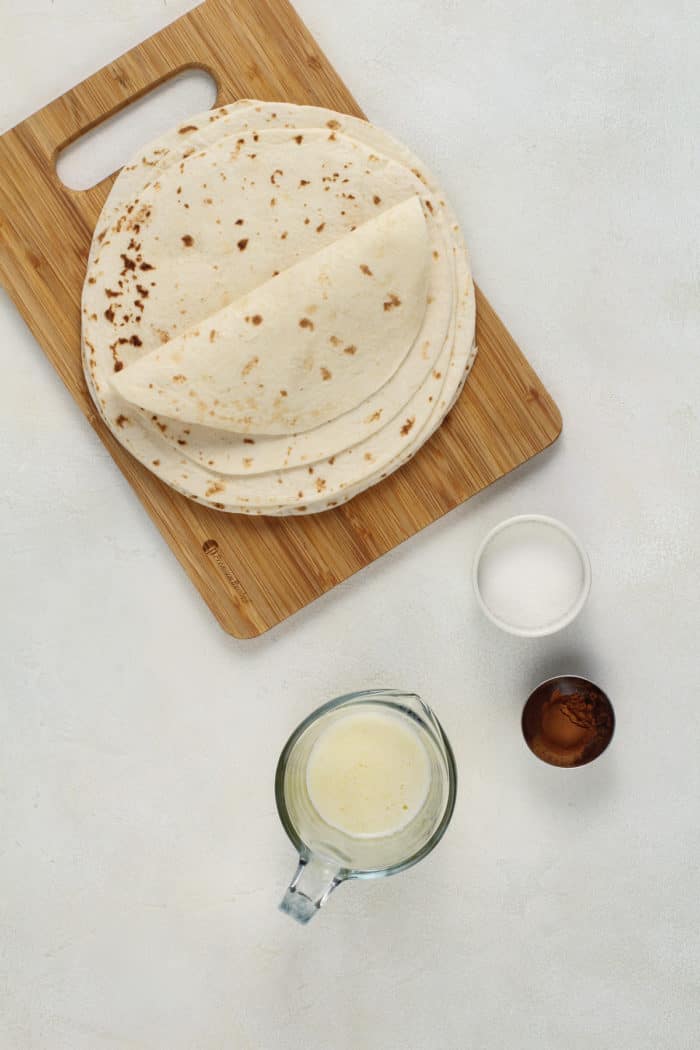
x: 252, y: 572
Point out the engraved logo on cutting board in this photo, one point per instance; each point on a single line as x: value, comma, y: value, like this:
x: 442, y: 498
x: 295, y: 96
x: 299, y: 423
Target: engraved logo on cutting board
x: 211, y: 549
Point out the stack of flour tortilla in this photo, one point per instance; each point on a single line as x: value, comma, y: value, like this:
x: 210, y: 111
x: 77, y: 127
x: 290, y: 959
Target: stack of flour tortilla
x: 278, y: 309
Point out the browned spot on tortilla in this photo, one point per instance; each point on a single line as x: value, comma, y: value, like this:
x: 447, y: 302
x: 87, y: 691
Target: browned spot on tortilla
x: 129, y: 264
x: 112, y: 295
x: 321, y: 226
x: 242, y: 244
x: 214, y: 488
x: 307, y: 220
x: 436, y: 255
x: 92, y: 280
x: 257, y: 319
x: 146, y: 266
x: 437, y: 375
x: 334, y: 341
x: 247, y: 461
x: 212, y: 335
x: 187, y: 127
x: 375, y: 416
x: 143, y: 292
x: 248, y: 441
x: 181, y: 441
x: 311, y: 470
x: 376, y: 199
x: 238, y: 222
x: 275, y: 173
x: 118, y: 365
x: 109, y: 314
x: 283, y: 393
x: 331, y: 460
x: 255, y: 136
x: 406, y: 428
x: 303, y: 182
x: 179, y: 190
x: 101, y: 236
x: 392, y: 301
x: 350, y: 350
x: 298, y: 139
x: 273, y: 201
x: 179, y: 378
x: 320, y: 484
x: 161, y: 426
x: 429, y: 206
x: 121, y: 420
x: 208, y: 200
x: 283, y: 235
x: 326, y: 373
x: 136, y: 340
x: 306, y: 322
x: 248, y: 368
x: 365, y: 269
x: 156, y: 462
x: 369, y: 457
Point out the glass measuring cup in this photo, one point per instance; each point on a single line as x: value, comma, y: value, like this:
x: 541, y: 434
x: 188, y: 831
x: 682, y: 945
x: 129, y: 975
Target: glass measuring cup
x: 329, y: 855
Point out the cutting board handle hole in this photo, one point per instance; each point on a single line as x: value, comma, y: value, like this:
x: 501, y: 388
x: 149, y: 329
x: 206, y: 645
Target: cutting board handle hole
x: 107, y: 147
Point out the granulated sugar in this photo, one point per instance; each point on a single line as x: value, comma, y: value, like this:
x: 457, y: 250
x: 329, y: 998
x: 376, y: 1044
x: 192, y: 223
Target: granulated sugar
x: 531, y: 574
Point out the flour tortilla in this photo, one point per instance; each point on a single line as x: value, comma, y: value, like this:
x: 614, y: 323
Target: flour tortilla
x: 345, y: 481
x: 303, y: 347
x: 200, y: 277
x: 231, y: 454
x: 217, y: 224
x: 225, y: 452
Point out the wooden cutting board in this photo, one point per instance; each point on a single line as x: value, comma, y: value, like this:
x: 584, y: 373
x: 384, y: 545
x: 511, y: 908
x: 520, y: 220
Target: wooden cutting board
x: 252, y: 572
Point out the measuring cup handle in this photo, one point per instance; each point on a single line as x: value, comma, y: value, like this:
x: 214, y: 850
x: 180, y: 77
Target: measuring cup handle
x: 313, y: 882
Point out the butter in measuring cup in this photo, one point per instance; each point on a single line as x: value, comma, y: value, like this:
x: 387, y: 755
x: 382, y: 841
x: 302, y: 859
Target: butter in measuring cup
x: 365, y: 788
x: 368, y: 773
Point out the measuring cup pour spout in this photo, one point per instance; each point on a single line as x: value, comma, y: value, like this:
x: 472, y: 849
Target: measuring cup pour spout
x: 313, y: 882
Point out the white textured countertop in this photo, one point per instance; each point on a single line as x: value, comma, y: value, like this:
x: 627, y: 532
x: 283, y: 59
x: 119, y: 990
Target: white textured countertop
x: 141, y: 859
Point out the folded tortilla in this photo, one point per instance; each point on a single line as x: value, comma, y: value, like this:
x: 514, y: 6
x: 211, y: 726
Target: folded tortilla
x: 213, y: 464
x: 303, y: 347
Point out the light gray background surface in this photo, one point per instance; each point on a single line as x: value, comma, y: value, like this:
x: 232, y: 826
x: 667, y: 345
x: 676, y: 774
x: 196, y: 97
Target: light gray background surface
x: 141, y: 859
